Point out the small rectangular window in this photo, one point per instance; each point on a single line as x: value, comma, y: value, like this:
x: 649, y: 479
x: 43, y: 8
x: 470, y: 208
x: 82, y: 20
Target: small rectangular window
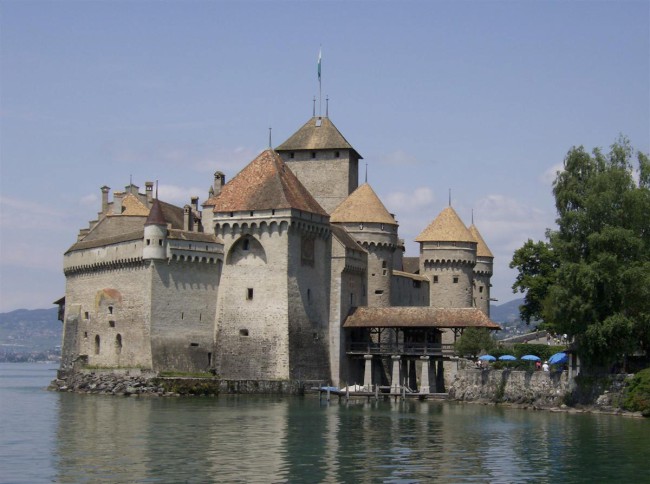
x: 291, y: 155
x: 111, y: 324
x: 313, y: 154
x: 336, y: 154
x: 148, y: 241
x: 455, y: 279
x: 249, y: 293
x: 435, y: 279
x: 110, y: 309
x: 194, y: 344
x: 86, y: 315
x: 243, y: 332
x: 480, y: 289
x: 160, y: 242
x: 379, y: 291
x: 384, y: 264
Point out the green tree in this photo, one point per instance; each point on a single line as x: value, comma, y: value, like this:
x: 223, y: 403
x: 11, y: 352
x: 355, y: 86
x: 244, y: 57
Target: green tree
x: 591, y: 278
x: 473, y: 341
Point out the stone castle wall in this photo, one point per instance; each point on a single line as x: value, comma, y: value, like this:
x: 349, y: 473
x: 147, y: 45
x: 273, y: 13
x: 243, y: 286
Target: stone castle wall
x: 184, y: 296
x: 110, y: 310
x: 328, y: 178
x: 252, y: 322
x: 409, y: 291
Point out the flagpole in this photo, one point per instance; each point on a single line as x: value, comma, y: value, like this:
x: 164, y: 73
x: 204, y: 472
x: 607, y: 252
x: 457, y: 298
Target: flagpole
x: 320, y: 95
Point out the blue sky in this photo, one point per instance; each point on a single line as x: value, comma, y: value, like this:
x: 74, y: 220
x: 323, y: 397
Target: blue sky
x: 483, y: 98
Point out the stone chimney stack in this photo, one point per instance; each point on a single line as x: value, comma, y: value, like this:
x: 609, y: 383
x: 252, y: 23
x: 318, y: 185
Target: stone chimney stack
x: 105, y: 191
x: 117, y: 202
x: 149, y: 190
x: 188, y: 218
x: 219, y: 182
x: 195, y: 203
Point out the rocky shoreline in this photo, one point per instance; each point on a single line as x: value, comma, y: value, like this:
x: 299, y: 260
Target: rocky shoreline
x: 472, y: 388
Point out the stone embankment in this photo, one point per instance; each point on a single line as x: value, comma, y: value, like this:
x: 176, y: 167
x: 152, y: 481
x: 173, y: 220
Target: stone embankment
x: 135, y: 382
x: 541, y: 390
x: 536, y: 388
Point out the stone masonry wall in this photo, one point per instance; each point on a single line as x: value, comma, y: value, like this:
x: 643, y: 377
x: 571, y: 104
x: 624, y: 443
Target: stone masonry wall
x: 252, y: 332
x: 110, y: 309
x: 308, y: 295
x: 184, y: 298
x: 329, y: 179
x: 544, y: 389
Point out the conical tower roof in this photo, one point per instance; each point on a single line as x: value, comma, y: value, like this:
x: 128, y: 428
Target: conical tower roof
x: 482, y: 250
x: 362, y: 205
x: 319, y: 133
x: 447, y: 227
x: 265, y: 183
x: 156, y: 216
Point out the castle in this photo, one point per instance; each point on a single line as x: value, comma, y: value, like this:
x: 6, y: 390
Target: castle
x: 289, y: 271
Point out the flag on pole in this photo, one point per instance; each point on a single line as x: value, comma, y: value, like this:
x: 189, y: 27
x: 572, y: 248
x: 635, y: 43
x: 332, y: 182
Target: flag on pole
x: 319, y: 58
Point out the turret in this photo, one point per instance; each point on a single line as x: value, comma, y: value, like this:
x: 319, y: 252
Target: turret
x: 155, y: 234
x: 482, y: 272
x: 366, y: 219
x: 447, y: 259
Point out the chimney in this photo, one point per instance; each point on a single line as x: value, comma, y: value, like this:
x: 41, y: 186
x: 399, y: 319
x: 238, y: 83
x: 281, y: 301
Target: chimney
x: 105, y: 191
x: 188, y: 218
x: 149, y: 191
x: 195, y: 203
x: 117, y: 203
x: 219, y: 181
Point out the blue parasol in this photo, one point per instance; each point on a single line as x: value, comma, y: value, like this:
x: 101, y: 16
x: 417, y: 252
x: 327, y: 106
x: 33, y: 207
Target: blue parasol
x: 507, y: 358
x: 530, y: 358
x: 558, y: 358
x: 487, y: 358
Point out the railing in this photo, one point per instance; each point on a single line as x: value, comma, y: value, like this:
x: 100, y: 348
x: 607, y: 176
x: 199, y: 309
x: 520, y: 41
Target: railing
x: 421, y: 349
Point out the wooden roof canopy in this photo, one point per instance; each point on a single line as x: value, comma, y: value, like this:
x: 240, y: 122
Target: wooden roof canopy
x: 418, y: 317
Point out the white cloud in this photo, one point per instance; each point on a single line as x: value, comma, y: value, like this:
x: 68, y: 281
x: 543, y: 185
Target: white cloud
x: 407, y: 202
x: 548, y: 177
x: 180, y: 195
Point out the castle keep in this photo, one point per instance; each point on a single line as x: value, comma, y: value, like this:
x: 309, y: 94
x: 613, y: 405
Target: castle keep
x: 289, y: 271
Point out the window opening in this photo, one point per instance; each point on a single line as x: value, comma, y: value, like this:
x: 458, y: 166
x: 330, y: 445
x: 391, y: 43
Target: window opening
x: 194, y: 344
x: 247, y: 244
x: 118, y: 344
x: 97, y: 344
x: 110, y: 309
x: 313, y: 154
x: 249, y: 293
x: 435, y: 279
x: 111, y: 324
x: 455, y: 279
x: 243, y: 332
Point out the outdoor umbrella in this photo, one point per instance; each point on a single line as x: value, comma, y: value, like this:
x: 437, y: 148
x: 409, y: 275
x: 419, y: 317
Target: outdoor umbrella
x: 507, y: 358
x: 530, y: 358
x: 558, y: 358
x: 487, y: 357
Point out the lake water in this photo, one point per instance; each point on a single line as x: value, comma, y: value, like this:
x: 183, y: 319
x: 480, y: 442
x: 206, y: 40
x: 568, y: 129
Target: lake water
x: 61, y: 437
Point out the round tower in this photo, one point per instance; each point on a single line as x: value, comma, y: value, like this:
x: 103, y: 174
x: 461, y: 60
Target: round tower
x: 482, y: 272
x: 447, y: 258
x: 366, y: 219
x: 155, y: 234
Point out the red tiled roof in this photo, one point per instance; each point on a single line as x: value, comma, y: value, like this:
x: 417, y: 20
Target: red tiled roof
x: 418, y: 317
x: 266, y: 183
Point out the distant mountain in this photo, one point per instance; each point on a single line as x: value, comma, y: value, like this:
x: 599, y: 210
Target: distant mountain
x: 30, y: 334
x: 508, y: 317
x: 506, y: 312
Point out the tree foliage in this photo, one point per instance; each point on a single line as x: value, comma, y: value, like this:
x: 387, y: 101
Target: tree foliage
x: 591, y: 277
x: 474, y: 341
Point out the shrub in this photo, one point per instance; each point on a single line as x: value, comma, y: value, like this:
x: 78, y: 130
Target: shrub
x: 637, y: 394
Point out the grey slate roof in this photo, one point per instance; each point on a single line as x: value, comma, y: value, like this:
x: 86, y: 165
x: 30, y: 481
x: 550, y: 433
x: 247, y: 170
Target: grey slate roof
x: 156, y: 216
x: 345, y: 238
x: 311, y: 136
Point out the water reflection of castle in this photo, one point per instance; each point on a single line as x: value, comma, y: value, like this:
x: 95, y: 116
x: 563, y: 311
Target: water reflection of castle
x: 291, y: 270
